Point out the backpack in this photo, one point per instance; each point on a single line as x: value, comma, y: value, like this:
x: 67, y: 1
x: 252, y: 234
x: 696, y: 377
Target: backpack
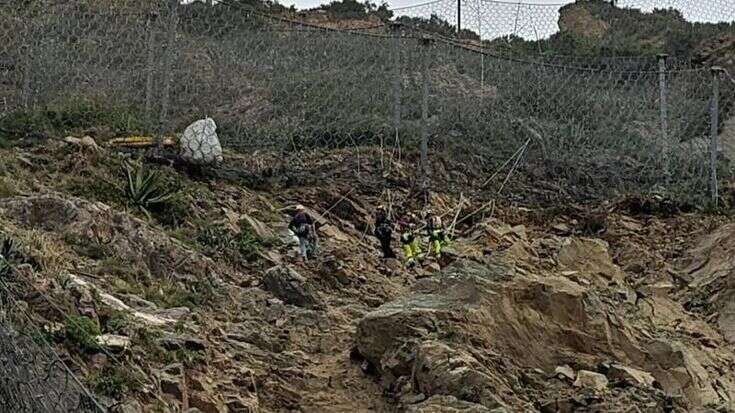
x: 435, y: 222
x: 383, y: 231
x: 303, y: 230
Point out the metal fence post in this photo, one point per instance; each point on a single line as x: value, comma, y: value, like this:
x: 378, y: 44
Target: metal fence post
x: 27, y: 69
x: 27, y: 73
x: 663, y: 103
x: 482, y: 48
x: 714, y: 128
x: 397, y: 73
x: 150, y: 69
x: 426, y: 44
x: 168, y: 65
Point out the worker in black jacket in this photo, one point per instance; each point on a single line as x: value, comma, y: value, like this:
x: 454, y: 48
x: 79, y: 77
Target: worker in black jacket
x: 384, y: 232
x: 302, y: 224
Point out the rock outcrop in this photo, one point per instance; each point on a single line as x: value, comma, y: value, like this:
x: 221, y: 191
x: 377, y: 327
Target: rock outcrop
x: 290, y: 287
x: 712, y: 287
x: 95, y: 227
x: 473, y: 331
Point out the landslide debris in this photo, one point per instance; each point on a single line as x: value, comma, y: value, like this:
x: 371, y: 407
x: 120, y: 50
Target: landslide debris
x: 581, y: 309
x: 489, y: 334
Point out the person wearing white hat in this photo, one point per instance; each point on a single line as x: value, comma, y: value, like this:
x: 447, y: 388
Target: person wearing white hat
x: 303, y: 226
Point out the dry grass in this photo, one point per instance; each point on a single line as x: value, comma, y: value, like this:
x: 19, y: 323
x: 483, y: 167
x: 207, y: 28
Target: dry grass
x: 48, y: 252
x: 7, y: 188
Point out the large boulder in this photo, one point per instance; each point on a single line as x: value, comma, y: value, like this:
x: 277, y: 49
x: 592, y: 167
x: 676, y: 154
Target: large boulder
x: 440, y: 369
x: 291, y: 287
x: 447, y: 404
x: 426, y: 335
x: 590, y: 258
x: 709, y: 267
x: 200, y: 144
x: 679, y: 371
x: 591, y: 380
x: 473, y: 332
x: 630, y: 376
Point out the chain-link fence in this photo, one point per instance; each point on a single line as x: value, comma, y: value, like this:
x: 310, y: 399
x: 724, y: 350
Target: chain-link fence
x: 585, y: 127
x: 598, y: 125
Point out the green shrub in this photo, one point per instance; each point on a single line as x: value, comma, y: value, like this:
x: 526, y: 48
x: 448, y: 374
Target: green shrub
x: 247, y: 243
x: 217, y: 239
x: 12, y: 256
x: 88, y: 247
x: 147, y: 340
x: 117, y: 322
x: 144, y: 187
x: 69, y: 115
x: 189, y: 358
x: 115, y: 382
x: 169, y: 294
x: 42, y: 337
x: 82, y: 332
x: 94, y: 188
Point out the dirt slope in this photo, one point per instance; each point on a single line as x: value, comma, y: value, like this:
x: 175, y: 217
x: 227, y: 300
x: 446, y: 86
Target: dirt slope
x: 533, y: 310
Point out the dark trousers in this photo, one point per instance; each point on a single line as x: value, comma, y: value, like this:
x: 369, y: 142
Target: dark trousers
x: 386, y: 248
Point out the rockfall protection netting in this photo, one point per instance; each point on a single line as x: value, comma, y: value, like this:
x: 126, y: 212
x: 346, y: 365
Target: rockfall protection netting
x: 595, y: 126
x: 33, y: 376
x: 587, y: 126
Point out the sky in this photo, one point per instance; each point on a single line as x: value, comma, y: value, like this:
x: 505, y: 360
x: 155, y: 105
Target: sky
x: 307, y: 4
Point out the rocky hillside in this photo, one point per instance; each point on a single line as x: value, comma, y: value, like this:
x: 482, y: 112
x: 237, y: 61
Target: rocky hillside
x: 200, y: 303
x: 597, y: 28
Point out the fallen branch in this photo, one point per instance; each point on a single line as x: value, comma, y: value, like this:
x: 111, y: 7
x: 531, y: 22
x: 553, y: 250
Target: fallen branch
x: 459, y: 209
x: 509, y: 160
x: 515, y: 165
x: 475, y: 212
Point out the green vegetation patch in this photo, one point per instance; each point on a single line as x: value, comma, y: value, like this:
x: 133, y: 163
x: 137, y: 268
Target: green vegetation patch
x: 235, y: 246
x: 116, y: 381
x: 69, y: 115
x: 81, y: 332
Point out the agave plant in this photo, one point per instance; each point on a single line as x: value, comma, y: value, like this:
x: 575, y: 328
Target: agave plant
x: 146, y: 188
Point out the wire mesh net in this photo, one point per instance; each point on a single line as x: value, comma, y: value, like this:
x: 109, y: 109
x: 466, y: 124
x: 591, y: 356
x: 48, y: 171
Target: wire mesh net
x: 282, y: 82
x: 591, y: 131
x: 33, y: 376
x: 586, y: 126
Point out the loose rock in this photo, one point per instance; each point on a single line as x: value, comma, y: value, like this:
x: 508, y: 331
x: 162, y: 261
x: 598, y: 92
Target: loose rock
x: 289, y: 286
x: 591, y: 380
